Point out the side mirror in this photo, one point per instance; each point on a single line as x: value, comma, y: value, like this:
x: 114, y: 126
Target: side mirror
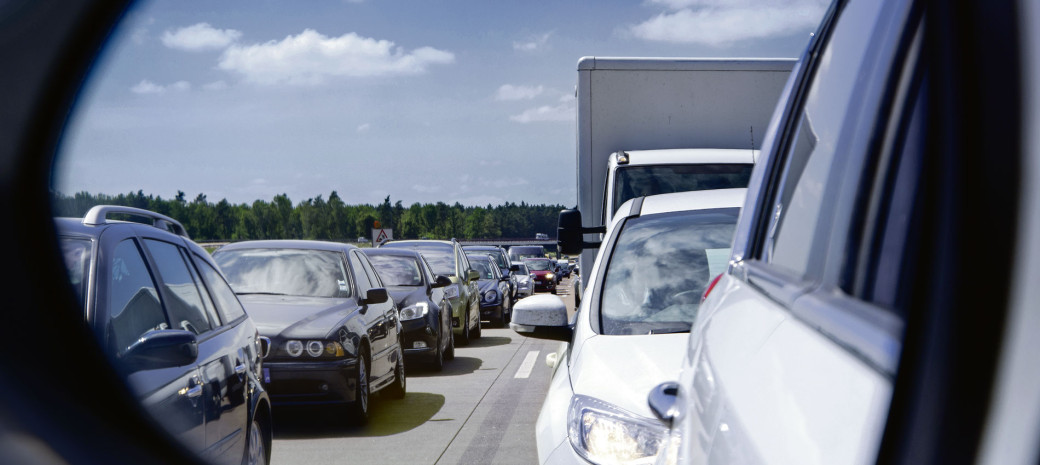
x: 664, y: 402
x: 570, y: 234
x: 542, y: 316
x: 472, y: 275
x: 441, y: 281
x: 163, y: 348
x: 514, y: 268
x: 376, y: 295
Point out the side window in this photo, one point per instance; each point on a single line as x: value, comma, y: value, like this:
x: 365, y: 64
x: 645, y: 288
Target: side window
x: 803, y: 205
x: 207, y: 301
x: 187, y: 310
x: 134, y: 307
x: 462, y: 261
x: 360, y: 275
x: 227, y: 303
x: 430, y: 277
x: 373, y: 276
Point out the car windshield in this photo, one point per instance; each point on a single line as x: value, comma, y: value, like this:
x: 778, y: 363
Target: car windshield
x: 636, y: 181
x: 483, y: 266
x: 396, y: 270
x: 660, y: 267
x: 295, y: 272
x: 441, y: 257
x: 76, y: 252
x: 537, y: 264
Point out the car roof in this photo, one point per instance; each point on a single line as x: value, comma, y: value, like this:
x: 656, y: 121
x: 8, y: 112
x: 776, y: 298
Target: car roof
x: 690, y: 156
x: 287, y: 244
x: 75, y: 227
x: 417, y: 243
x: 400, y: 252
x: 687, y: 201
x: 482, y: 247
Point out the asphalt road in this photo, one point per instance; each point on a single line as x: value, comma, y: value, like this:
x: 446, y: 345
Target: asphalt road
x: 481, y: 409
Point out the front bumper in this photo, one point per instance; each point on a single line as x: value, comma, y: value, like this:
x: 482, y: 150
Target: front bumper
x: 547, y: 285
x: 310, y: 382
x: 418, y: 331
x: 491, y: 311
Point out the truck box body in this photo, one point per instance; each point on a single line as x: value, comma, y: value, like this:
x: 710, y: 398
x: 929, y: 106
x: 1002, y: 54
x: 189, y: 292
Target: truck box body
x: 666, y: 103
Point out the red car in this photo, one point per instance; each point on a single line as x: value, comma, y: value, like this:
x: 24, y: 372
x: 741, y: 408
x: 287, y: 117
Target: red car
x: 542, y: 274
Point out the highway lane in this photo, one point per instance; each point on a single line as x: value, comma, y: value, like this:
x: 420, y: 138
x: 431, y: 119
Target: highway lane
x: 481, y: 409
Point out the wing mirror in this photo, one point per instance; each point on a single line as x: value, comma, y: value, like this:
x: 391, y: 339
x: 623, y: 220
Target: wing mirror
x: 163, y: 348
x: 441, y: 281
x: 570, y: 234
x: 542, y: 317
x: 665, y: 403
x: 472, y: 275
x: 376, y: 295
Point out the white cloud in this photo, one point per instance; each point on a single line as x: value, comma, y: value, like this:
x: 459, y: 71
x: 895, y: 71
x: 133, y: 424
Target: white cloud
x: 200, y: 36
x: 534, y: 43
x: 310, y: 58
x: 364, y: 128
x: 215, y: 85
x: 720, y: 22
x: 149, y: 87
x: 511, y: 92
x: 563, y: 112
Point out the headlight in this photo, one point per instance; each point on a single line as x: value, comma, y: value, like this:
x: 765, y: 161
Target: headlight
x: 294, y: 348
x: 549, y: 276
x: 412, y: 312
x: 490, y: 296
x: 315, y: 348
x: 603, y: 433
x: 451, y: 292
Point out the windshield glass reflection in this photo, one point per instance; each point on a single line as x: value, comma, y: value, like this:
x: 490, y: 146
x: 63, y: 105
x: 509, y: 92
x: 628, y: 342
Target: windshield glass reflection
x: 309, y: 273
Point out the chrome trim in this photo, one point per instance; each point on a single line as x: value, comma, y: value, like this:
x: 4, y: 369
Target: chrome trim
x: 98, y: 215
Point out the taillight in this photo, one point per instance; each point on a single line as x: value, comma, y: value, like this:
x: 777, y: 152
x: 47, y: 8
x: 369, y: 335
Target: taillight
x: 711, y: 286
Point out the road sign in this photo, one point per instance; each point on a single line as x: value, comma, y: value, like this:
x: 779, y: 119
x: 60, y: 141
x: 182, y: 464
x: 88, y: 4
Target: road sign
x: 380, y: 236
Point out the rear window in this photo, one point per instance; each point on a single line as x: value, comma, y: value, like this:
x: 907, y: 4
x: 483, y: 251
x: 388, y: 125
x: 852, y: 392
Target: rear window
x: 638, y: 181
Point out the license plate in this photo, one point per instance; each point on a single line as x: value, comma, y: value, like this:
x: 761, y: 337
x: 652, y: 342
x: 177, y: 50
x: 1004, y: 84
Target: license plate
x: 267, y: 375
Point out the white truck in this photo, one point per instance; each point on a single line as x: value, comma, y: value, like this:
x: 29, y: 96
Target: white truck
x: 649, y: 104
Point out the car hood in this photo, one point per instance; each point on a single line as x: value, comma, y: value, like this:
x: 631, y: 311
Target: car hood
x: 406, y: 295
x: 297, y: 317
x: 622, y: 370
x: 487, y: 284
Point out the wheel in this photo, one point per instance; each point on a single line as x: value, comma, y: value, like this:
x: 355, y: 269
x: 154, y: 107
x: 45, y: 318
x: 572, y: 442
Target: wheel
x: 465, y: 330
x: 398, y: 388
x: 507, y: 313
x: 553, y: 291
x: 256, y: 449
x: 476, y: 332
x: 359, y: 409
x: 449, y: 354
x: 439, y: 355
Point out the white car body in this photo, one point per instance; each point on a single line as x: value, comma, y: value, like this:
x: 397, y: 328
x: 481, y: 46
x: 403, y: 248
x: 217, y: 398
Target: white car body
x: 616, y: 369
x: 524, y: 284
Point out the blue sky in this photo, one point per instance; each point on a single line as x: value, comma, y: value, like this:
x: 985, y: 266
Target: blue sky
x: 424, y: 101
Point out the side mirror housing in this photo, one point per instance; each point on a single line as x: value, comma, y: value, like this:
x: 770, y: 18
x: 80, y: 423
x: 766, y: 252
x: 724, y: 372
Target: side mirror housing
x: 514, y: 268
x: 162, y: 348
x: 664, y: 402
x: 441, y: 281
x: 542, y: 316
x: 376, y: 295
x: 472, y: 275
x: 570, y: 234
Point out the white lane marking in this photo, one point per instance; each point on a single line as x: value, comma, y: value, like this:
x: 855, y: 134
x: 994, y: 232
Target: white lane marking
x: 527, y: 365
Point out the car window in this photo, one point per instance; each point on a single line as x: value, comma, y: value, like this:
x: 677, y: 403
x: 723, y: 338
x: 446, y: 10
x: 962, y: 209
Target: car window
x: 373, y: 276
x: 298, y: 272
x: 439, y: 256
x: 484, y: 268
x: 462, y: 263
x: 801, y: 208
x: 227, y: 304
x: 186, y: 307
x: 538, y: 264
x: 637, y: 181
x: 364, y: 284
x: 430, y: 277
x: 134, y: 306
x: 660, y: 267
x: 397, y: 270
x: 76, y: 255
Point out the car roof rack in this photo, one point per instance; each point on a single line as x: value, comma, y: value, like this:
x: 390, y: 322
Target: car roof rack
x: 98, y: 216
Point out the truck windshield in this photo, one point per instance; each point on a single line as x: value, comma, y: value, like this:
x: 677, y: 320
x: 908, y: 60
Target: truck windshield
x: 637, y: 181
x: 660, y: 267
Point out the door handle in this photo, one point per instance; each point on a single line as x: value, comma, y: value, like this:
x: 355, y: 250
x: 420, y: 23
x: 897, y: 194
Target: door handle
x: 194, y: 391
x: 241, y: 368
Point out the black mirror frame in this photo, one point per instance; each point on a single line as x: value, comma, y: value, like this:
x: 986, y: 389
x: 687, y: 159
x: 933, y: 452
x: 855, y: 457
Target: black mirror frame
x: 440, y: 281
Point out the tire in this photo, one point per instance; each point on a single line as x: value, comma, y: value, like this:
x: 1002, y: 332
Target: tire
x: 399, y: 387
x: 359, y: 409
x: 465, y: 329
x: 438, y: 357
x: 256, y: 452
x: 449, y: 354
x: 476, y: 332
x: 553, y: 291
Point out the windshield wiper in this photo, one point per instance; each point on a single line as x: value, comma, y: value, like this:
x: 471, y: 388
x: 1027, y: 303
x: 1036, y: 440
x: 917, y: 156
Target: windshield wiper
x: 260, y: 293
x: 672, y: 330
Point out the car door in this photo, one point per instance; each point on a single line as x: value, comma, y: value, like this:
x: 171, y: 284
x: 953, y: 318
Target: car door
x: 129, y: 304
x: 439, y: 300
x: 375, y: 322
x: 792, y: 360
x: 391, y: 320
x: 191, y: 308
x: 469, y: 287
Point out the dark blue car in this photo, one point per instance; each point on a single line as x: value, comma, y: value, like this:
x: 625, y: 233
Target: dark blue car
x: 174, y: 328
x: 495, y: 304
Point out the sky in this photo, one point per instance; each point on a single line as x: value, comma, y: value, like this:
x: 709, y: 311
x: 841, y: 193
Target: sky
x: 420, y: 100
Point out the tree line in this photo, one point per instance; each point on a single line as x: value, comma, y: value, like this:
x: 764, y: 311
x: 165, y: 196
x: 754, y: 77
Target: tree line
x: 326, y: 219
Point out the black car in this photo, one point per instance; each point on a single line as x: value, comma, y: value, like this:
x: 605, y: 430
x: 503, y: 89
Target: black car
x: 501, y: 258
x: 334, y: 332
x: 495, y: 303
x: 419, y: 294
x: 174, y: 329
